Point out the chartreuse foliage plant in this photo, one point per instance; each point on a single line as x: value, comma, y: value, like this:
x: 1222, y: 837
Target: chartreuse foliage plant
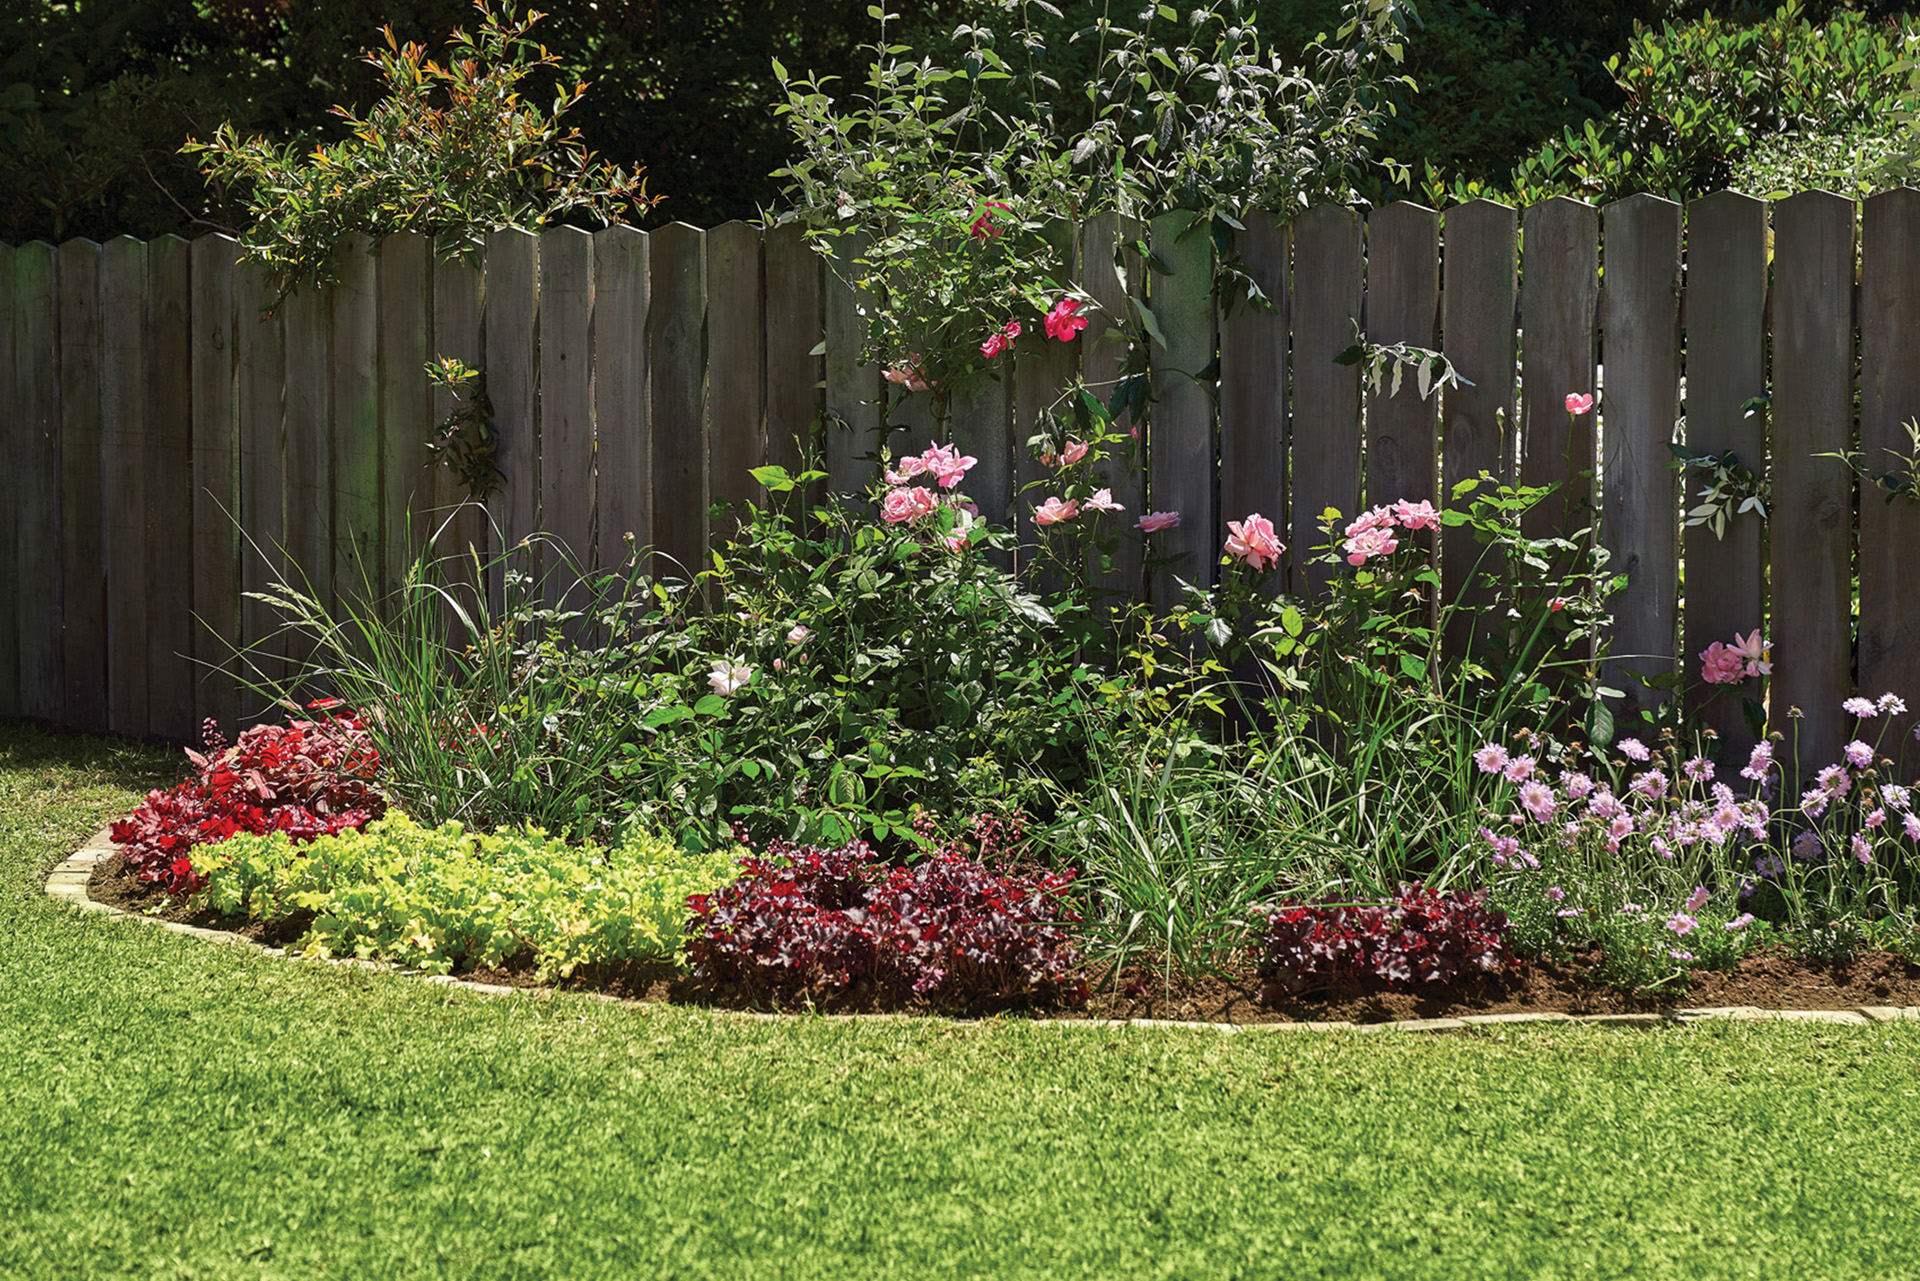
x: 175, y: 1109
x: 443, y: 898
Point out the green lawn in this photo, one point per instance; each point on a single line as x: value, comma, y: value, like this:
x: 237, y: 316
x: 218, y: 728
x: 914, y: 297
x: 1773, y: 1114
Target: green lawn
x: 170, y: 1108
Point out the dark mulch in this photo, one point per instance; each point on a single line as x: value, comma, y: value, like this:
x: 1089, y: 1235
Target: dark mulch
x: 1770, y: 980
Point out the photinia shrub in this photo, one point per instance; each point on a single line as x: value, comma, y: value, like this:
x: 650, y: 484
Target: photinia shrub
x: 1418, y: 936
x: 803, y: 920
x: 305, y: 778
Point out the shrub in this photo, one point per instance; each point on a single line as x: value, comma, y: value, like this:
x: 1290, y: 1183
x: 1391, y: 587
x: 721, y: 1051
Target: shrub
x: 1418, y: 936
x: 305, y: 779
x: 804, y: 921
x: 442, y: 898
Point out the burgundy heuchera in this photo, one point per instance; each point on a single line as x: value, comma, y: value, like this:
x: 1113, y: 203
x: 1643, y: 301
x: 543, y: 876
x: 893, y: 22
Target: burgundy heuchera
x: 305, y: 778
x: 1418, y: 936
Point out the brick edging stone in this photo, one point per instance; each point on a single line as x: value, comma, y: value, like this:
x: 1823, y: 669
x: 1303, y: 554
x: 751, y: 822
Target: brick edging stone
x: 67, y: 882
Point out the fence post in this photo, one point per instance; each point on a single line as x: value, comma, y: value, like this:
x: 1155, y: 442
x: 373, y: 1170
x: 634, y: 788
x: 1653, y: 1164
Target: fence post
x: 621, y: 412
x: 1253, y: 386
x: 33, y: 457
x: 566, y: 403
x: 1562, y: 263
x: 216, y: 501
x: 1181, y: 434
x: 83, y: 576
x: 1325, y: 469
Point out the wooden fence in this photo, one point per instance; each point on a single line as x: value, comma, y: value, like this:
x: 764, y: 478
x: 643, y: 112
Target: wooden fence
x: 149, y: 402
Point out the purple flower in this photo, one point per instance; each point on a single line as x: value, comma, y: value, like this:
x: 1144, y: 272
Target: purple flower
x: 1769, y: 866
x: 1555, y: 893
x: 1697, y: 899
x: 1578, y: 785
x: 1699, y: 770
x: 1652, y: 784
x: 1859, y: 755
x: 1806, y: 846
x: 1537, y: 798
x: 1679, y: 955
x: 1862, y: 849
x: 1892, y: 705
x: 1566, y: 913
x: 1740, y: 922
x: 1518, y: 768
x: 1634, y: 750
x: 1681, y: 923
x: 1491, y: 759
x: 1860, y: 707
x: 1631, y: 909
x: 1758, y: 761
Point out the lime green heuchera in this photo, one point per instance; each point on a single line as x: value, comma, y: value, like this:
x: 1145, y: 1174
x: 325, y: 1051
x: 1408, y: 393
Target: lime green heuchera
x: 444, y: 898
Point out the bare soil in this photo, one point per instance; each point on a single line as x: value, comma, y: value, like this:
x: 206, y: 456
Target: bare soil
x: 1770, y: 980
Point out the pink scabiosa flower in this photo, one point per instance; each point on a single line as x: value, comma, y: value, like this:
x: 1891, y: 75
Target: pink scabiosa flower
x: 1253, y: 541
x: 1859, y: 755
x: 1896, y: 796
x: 1698, y: 770
x: 1862, y: 849
x: 1813, y: 802
x: 1652, y: 784
x: 1154, y: 522
x: 1875, y: 818
x: 1892, y: 705
x: 1759, y: 761
x: 1863, y: 708
x: 1537, y: 799
x: 1055, y: 510
x: 1062, y: 323
x: 1696, y: 900
x: 1073, y: 453
x: 1682, y: 924
x: 1578, y: 404
x: 1491, y: 759
x: 1102, y: 501
x: 1555, y: 894
x: 1834, y: 780
x: 1518, y: 769
x: 1420, y: 515
x: 1911, y: 824
x: 1000, y: 340
x: 1578, y: 785
x: 1634, y: 750
x: 908, y: 504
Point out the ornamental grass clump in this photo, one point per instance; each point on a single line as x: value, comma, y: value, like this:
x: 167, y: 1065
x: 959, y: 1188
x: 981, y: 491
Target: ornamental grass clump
x: 445, y: 898
x: 803, y: 922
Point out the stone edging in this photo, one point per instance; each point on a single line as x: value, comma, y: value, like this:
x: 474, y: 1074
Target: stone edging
x: 67, y: 882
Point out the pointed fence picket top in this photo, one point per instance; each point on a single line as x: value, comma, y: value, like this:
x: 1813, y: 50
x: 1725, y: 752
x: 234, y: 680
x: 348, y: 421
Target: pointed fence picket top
x: 157, y: 391
x: 1640, y: 496
x: 1889, y: 401
x: 1812, y: 517
x: 1724, y: 312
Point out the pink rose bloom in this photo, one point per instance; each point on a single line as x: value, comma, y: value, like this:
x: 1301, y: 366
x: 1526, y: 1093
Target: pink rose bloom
x: 907, y: 470
x: 1420, y: 515
x: 1075, y: 452
x: 1254, y: 542
x: 1001, y: 340
x: 1154, y: 522
x: 1754, y: 650
x: 911, y: 503
x: 1722, y: 665
x: 946, y: 464
x: 727, y: 677
x: 1102, y: 501
x: 984, y: 227
x: 1061, y: 321
x: 798, y: 636
x: 1055, y: 510
x: 1578, y: 404
x: 909, y: 374
x: 1377, y: 518
x: 1368, y: 543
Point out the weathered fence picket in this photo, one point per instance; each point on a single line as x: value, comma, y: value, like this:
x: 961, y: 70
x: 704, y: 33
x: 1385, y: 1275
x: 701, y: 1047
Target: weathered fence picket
x: 156, y: 392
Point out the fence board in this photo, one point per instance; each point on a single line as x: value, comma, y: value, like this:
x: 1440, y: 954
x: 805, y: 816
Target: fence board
x: 1562, y: 263
x: 260, y: 378
x: 983, y: 429
x: 406, y: 404
x: 1103, y: 358
x: 170, y: 601
x: 620, y: 308
x: 677, y: 338
x: 9, y: 529
x: 737, y: 347
x: 1403, y: 305
x: 512, y: 300
x: 460, y: 526
x: 307, y: 476
x: 1041, y: 365
x: 1253, y: 387
x: 123, y: 464
x: 33, y: 456
x: 1481, y: 275
x: 794, y: 327
x: 853, y: 400
x: 566, y: 400
x: 1813, y: 504
x: 356, y: 426
x: 1640, y: 494
x: 1326, y: 397
x: 83, y: 582
x: 1723, y: 309
x: 1889, y: 398
x: 1182, y: 431
x: 216, y: 498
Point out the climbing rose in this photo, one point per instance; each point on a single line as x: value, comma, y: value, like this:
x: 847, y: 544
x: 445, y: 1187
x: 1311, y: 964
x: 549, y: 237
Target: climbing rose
x: 1754, y: 650
x: 1578, y: 404
x: 1102, y: 501
x: 984, y: 227
x: 903, y: 505
x: 1055, y: 510
x: 1001, y: 340
x: 727, y: 677
x: 909, y: 374
x: 1062, y: 323
x: 1154, y: 522
x: 1722, y: 665
x: 1420, y: 515
x: 1254, y: 542
x: 1075, y: 451
x: 1376, y: 540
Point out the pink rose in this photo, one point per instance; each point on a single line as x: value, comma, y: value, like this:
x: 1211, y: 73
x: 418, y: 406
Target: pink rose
x: 1368, y: 543
x: 1420, y: 515
x: 1075, y: 452
x: 909, y: 374
x: 1578, y: 404
x: 1000, y: 341
x: 1055, y: 510
x: 1253, y: 541
x: 984, y: 227
x: 911, y: 503
x: 1102, y: 501
x: 1062, y: 323
x: 1754, y: 651
x: 1722, y: 665
x: 1154, y: 522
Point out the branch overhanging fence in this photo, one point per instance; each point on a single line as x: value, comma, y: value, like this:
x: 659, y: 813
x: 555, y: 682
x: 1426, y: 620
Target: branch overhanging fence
x: 166, y: 436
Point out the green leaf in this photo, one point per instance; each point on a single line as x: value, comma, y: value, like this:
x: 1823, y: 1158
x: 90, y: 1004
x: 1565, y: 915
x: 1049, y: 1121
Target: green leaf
x: 1414, y: 667
x: 665, y: 716
x: 711, y: 705
x: 1291, y: 620
x: 1600, y: 723
x: 774, y: 478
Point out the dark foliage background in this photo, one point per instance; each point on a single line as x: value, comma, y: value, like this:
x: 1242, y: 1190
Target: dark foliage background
x: 97, y: 95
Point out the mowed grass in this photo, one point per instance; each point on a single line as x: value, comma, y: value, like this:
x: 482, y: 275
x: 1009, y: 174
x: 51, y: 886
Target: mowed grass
x: 174, y: 1109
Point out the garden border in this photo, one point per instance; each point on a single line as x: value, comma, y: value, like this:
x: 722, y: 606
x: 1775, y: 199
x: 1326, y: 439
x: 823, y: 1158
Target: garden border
x: 67, y: 882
